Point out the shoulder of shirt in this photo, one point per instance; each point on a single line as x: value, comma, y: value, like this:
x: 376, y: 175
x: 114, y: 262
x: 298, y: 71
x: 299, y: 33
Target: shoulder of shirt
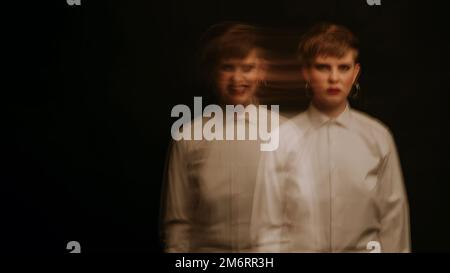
x: 292, y: 131
x: 368, y: 121
x: 379, y: 131
x: 298, y: 125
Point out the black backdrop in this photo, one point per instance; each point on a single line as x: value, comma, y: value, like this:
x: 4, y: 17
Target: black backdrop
x: 88, y: 113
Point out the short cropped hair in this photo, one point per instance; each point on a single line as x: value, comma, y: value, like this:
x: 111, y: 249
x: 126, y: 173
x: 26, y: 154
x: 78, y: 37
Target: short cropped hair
x: 327, y: 39
x: 227, y: 40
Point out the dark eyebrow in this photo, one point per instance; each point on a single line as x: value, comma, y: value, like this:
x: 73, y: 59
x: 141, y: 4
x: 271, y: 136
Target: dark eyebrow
x: 347, y: 64
x: 323, y: 64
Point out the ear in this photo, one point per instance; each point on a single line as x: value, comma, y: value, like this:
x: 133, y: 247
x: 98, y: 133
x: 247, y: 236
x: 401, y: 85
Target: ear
x: 263, y: 67
x: 356, y: 72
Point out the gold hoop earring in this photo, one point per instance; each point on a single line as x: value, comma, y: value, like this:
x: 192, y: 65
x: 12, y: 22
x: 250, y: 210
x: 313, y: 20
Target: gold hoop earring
x: 308, y: 90
x: 355, y: 93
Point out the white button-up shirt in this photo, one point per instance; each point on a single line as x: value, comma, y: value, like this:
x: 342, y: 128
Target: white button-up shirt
x: 208, y: 193
x: 334, y: 185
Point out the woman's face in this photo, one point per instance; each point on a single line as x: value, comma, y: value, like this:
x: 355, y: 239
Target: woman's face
x: 238, y: 79
x: 331, y: 79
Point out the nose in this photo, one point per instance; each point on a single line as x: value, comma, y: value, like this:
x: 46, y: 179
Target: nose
x: 237, y: 76
x: 334, y: 75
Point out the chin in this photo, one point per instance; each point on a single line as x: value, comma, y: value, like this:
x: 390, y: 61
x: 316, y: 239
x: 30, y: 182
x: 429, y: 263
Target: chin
x: 332, y: 102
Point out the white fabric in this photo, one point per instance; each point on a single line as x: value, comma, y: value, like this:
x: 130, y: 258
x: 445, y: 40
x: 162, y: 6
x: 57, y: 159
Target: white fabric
x: 333, y: 185
x: 209, y: 194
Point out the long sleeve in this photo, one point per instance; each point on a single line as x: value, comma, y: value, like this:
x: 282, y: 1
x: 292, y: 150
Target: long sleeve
x: 178, y: 200
x: 395, y: 231
x: 267, y: 214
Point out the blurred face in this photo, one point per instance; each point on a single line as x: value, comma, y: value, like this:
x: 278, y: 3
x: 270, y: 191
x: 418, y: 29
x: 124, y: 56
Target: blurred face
x: 331, y: 80
x: 238, y: 79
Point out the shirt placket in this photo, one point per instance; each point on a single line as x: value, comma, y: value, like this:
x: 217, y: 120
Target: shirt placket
x: 331, y: 164
x: 234, y: 204
x: 324, y: 187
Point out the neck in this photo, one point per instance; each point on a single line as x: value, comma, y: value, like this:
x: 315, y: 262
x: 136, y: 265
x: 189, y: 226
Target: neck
x: 331, y: 112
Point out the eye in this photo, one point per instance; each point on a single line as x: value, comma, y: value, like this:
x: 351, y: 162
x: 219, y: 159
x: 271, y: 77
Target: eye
x: 248, y: 67
x: 344, y: 67
x: 226, y: 67
x: 321, y: 67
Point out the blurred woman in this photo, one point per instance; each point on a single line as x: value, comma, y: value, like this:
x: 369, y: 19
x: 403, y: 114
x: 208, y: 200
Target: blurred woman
x: 209, y: 185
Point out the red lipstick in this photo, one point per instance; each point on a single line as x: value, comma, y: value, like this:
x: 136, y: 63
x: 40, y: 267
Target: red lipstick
x: 333, y: 91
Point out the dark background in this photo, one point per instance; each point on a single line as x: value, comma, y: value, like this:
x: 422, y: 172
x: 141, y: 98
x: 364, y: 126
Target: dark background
x: 88, y: 114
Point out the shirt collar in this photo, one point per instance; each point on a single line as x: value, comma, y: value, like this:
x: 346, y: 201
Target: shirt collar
x: 318, y: 118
